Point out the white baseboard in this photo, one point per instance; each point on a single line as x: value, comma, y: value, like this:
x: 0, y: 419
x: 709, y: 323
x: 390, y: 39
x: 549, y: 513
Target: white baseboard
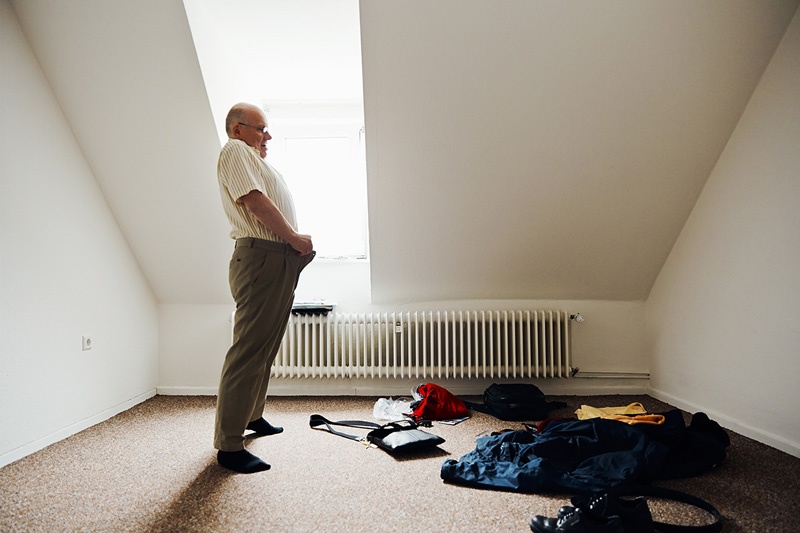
x: 187, y: 391
x: 61, y: 434
x: 765, y: 437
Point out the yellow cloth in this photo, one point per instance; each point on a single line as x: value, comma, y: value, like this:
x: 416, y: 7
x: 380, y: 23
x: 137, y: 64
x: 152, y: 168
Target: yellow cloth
x: 637, y: 419
x: 587, y: 411
x: 634, y: 413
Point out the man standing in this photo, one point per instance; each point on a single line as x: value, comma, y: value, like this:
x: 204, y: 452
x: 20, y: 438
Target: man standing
x: 264, y: 270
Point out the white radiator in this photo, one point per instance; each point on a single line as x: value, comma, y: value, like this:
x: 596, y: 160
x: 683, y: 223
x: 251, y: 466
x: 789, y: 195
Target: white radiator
x: 432, y: 344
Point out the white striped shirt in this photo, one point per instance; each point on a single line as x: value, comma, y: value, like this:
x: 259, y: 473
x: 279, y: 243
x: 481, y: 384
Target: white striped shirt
x: 241, y: 170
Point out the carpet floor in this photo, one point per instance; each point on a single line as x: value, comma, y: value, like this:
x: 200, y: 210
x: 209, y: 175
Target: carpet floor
x: 152, y: 468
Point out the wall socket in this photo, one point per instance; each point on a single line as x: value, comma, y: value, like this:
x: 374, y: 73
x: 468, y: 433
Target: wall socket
x: 86, y: 343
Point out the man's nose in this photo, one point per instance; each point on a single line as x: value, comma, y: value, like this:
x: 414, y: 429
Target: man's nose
x: 267, y: 136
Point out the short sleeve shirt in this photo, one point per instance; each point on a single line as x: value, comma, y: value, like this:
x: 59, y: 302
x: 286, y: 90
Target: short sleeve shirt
x: 241, y: 170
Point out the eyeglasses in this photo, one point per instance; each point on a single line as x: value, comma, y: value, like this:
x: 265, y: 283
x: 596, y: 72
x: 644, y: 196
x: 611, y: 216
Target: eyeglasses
x: 261, y: 129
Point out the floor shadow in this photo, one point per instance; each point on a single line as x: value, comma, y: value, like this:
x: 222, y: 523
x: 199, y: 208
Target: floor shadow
x: 423, y: 454
x: 199, y: 498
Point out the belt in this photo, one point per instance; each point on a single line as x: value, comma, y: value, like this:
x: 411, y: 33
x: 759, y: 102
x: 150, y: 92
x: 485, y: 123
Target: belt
x: 250, y: 242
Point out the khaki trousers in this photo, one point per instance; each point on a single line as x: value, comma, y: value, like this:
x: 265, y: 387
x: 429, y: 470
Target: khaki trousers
x: 263, y: 276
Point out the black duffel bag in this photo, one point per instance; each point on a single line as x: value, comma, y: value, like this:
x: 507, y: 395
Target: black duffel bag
x: 515, y: 402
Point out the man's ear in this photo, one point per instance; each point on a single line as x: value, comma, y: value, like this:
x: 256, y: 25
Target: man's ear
x: 236, y: 131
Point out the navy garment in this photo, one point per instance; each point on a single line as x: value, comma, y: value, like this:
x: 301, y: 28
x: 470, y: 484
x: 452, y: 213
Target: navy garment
x: 575, y: 456
x: 692, y: 450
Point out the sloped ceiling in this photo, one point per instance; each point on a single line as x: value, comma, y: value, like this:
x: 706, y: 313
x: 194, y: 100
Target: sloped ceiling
x: 542, y: 149
x: 128, y: 81
x: 516, y: 149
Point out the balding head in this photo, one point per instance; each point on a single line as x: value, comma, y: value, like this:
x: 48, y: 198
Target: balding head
x: 242, y: 112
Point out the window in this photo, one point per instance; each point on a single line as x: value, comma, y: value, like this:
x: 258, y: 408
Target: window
x: 319, y: 149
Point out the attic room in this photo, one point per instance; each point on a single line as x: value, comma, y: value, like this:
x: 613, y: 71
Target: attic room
x: 635, y: 163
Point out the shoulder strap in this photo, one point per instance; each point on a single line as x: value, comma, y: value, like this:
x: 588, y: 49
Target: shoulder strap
x: 678, y: 496
x: 318, y: 420
x: 480, y: 407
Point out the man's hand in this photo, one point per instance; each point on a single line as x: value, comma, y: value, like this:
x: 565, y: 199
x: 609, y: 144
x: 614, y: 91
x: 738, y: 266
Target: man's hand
x: 302, y: 243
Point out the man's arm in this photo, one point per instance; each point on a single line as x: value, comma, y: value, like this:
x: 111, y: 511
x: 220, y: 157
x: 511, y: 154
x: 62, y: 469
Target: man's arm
x: 271, y: 218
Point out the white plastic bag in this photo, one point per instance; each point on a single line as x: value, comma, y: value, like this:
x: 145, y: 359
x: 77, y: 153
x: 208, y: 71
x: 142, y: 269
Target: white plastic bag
x: 392, y: 410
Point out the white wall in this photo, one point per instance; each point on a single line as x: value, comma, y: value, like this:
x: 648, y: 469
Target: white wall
x: 65, y: 271
x: 722, y: 317
x: 128, y: 82
x: 535, y: 149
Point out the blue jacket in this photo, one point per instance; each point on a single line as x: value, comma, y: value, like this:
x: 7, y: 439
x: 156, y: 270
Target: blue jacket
x: 579, y: 456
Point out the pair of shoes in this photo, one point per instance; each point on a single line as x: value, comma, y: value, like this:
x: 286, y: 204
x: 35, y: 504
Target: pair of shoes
x: 241, y: 461
x: 599, y: 512
x: 262, y: 428
x: 576, y: 520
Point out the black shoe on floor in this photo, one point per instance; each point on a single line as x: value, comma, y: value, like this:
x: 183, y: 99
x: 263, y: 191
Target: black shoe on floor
x: 262, y: 428
x: 633, y: 512
x: 242, y: 461
x: 576, y: 521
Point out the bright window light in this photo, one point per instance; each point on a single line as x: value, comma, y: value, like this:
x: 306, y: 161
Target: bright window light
x: 323, y: 162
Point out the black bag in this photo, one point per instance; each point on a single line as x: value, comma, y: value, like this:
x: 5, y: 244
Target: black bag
x: 395, y: 437
x: 516, y: 401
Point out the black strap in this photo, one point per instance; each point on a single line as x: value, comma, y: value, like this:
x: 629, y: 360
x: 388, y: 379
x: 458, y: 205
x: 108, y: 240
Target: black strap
x: 675, y: 495
x: 319, y: 420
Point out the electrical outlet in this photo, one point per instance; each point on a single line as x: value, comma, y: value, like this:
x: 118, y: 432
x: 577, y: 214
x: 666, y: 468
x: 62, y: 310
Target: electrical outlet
x: 86, y: 343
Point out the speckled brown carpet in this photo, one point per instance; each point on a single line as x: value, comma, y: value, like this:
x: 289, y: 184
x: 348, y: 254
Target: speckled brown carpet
x: 152, y: 468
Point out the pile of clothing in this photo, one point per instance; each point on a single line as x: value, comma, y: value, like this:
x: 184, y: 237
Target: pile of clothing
x: 591, y: 455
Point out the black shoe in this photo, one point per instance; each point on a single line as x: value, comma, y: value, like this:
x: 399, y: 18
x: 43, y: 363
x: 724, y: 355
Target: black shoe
x: 262, y: 428
x: 242, y: 461
x: 633, y: 512
x: 576, y: 521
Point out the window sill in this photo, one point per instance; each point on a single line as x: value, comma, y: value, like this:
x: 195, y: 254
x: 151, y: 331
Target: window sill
x: 345, y: 259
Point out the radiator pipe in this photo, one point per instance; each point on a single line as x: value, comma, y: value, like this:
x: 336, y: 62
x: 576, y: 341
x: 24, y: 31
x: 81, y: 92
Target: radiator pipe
x: 609, y: 375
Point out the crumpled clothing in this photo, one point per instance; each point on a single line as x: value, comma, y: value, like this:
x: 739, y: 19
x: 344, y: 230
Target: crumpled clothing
x: 637, y: 419
x: 587, y: 412
x: 576, y: 456
x: 583, y: 456
x: 392, y: 410
x: 437, y: 403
